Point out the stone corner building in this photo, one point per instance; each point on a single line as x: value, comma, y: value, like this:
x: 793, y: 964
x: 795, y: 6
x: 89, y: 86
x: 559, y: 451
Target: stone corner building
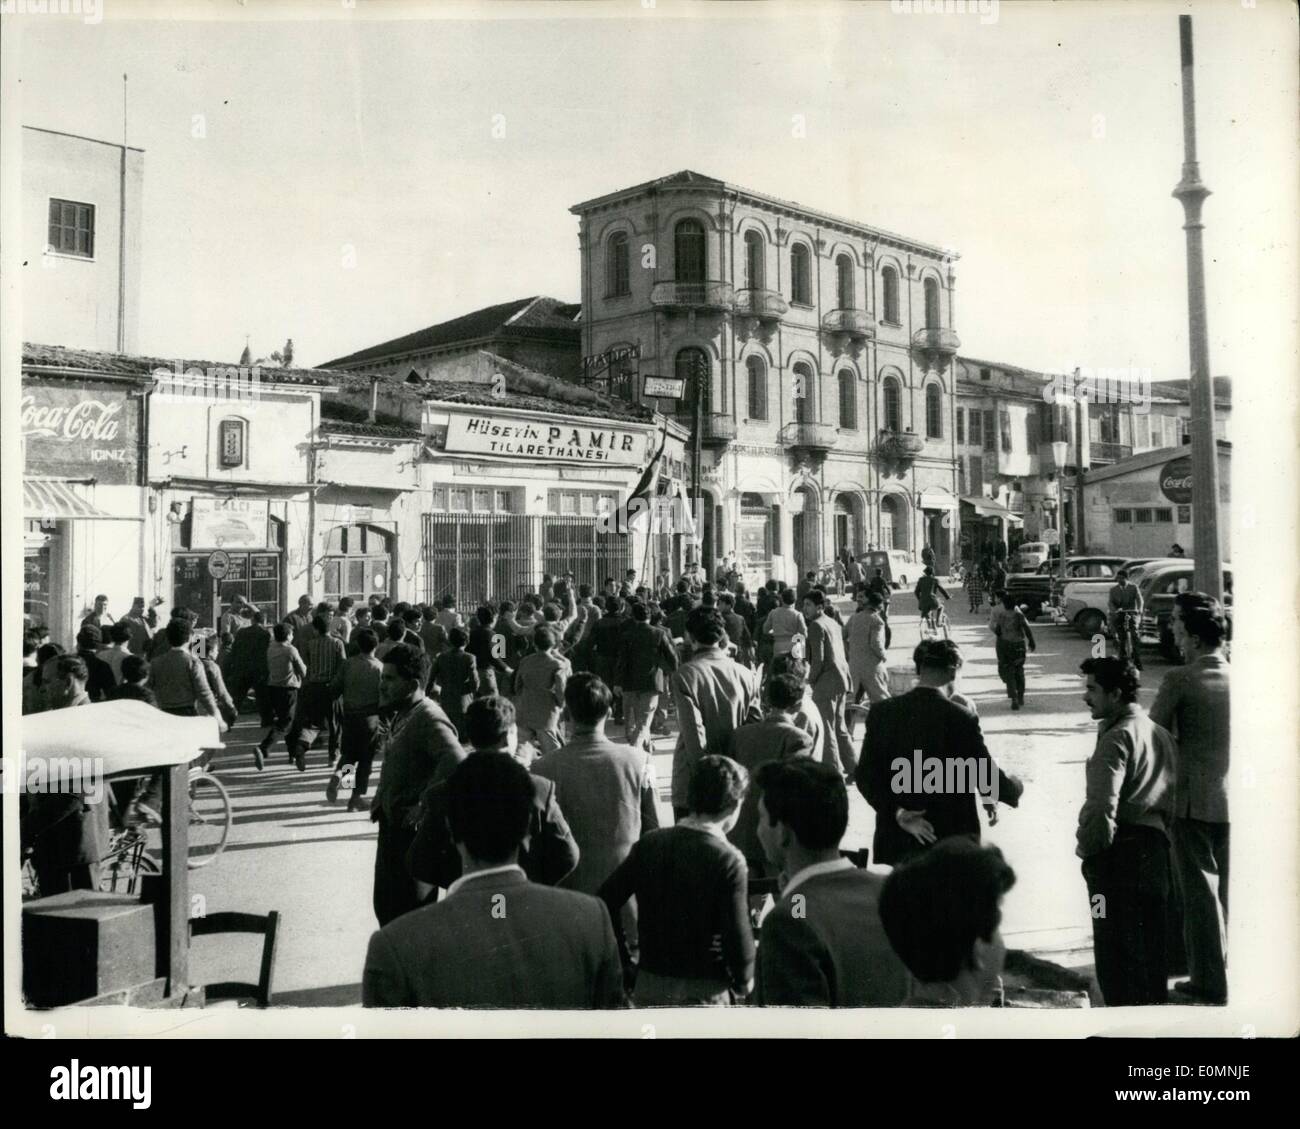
x: 821, y: 348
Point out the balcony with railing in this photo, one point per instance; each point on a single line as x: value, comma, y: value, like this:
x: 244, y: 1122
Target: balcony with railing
x: 935, y: 345
x: 816, y: 438
x: 693, y: 295
x: 717, y: 429
x: 1103, y: 454
x: 765, y: 305
x: 857, y: 325
x: 899, y: 446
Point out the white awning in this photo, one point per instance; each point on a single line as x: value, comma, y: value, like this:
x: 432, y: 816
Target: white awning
x: 122, y: 736
x: 938, y: 500
x: 50, y: 499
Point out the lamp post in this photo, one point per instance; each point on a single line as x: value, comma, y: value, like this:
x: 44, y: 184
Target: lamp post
x: 1191, y: 193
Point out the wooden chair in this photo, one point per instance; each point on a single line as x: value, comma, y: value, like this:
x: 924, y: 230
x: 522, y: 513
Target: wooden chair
x: 268, y: 926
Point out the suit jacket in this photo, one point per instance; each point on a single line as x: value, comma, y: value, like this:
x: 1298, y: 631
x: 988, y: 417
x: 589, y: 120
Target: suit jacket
x: 646, y: 656
x: 248, y: 654
x: 825, y: 946
x: 1129, y: 780
x: 456, y: 674
x: 539, y: 677
x: 606, y: 640
x: 756, y: 743
x: 101, y: 681
x: 828, y: 669
x: 944, y: 732
x: 1193, y: 705
x: 498, y: 942
x: 714, y: 696
x: 607, y: 793
x: 548, y: 855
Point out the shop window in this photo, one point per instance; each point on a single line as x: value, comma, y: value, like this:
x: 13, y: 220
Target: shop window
x: 1164, y: 514
x: 482, y: 501
x: 460, y: 501
x: 506, y: 502
x: 439, y: 500
x: 232, y: 435
x: 1142, y: 517
x: 72, y: 228
x: 1123, y: 517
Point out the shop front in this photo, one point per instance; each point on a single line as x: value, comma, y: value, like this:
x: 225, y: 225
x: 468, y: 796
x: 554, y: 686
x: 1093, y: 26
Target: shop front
x: 227, y: 551
x: 83, y: 506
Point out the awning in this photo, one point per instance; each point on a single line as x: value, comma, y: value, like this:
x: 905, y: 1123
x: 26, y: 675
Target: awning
x: 48, y: 499
x: 987, y: 507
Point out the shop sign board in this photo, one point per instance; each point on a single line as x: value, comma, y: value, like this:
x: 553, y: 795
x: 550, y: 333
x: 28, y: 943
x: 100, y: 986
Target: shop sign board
x: 81, y: 429
x: 1176, y: 481
x: 559, y: 442
x: 228, y: 523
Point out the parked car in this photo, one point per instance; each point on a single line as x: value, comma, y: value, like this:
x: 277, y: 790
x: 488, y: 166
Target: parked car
x: 1159, y: 585
x: 1083, y: 602
x: 1034, y: 590
x: 1030, y: 555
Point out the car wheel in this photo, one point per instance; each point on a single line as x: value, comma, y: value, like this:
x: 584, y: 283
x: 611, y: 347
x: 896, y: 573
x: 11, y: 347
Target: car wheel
x: 1089, y: 623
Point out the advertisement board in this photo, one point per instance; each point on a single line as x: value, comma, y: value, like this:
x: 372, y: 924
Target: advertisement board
x: 228, y: 523
x: 523, y: 438
x: 80, y: 429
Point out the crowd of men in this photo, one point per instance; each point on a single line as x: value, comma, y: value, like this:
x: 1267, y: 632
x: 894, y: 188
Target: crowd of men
x: 520, y: 859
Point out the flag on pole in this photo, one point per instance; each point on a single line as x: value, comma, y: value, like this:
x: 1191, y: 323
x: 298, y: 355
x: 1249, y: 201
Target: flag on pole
x: 641, y: 500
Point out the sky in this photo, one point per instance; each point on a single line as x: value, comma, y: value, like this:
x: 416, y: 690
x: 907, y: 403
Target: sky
x: 340, y: 178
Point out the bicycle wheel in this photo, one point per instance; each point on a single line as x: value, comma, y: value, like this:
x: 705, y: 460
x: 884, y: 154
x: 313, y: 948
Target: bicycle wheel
x: 210, y: 819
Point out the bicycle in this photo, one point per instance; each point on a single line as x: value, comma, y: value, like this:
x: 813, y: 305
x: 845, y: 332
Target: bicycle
x: 935, y: 623
x: 1124, y: 629
x: 132, y: 845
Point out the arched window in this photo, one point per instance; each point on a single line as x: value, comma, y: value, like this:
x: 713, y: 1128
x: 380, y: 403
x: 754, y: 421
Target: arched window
x: 757, y: 388
x: 893, y: 405
x: 932, y: 304
x: 232, y: 442
x: 889, y: 286
x: 617, y: 279
x: 755, y: 274
x: 848, y: 401
x: 844, y: 282
x: 688, y: 250
x: 934, y: 412
x: 800, y: 275
x: 692, y: 366
x: 805, y: 393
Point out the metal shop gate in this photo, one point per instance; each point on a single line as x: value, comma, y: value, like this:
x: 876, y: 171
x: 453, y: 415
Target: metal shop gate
x: 575, y: 544
x: 476, y: 557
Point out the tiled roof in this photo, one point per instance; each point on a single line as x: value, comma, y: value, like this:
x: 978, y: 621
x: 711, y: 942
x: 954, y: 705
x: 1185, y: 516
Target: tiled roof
x: 534, y: 391
x: 131, y: 365
x: 530, y: 317
x: 367, y: 430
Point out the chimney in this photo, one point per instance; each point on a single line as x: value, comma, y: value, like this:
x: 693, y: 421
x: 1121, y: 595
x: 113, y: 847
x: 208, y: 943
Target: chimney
x: 374, y: 399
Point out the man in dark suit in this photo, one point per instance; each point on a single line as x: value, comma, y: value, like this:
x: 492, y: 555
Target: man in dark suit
x: 101, y: 679
x: 646, y: 656
x: 924, y: 760
x: 824, y: 944
x: 248, y: 668
x: 737, y: 630
x: 456, y: 675
x: 547, y: 856
x: 606, y: 639
x: 497, y: 940
x: 775, y: 738
x: 607, y: 792
x: 714, y: 696
x: 828, y: 678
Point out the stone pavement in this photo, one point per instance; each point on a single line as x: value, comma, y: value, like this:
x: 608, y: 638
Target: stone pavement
x: 291, y: 851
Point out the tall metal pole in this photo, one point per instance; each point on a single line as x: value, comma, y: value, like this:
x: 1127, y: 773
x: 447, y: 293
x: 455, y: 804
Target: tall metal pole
x: 1208, y: 575
x: 701, y: 375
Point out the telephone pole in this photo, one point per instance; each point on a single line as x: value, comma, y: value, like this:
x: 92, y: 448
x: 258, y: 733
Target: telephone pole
x: 1208, y: 575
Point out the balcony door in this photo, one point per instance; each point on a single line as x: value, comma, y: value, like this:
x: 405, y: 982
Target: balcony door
x: 932, y: 304
x: 689, y: 257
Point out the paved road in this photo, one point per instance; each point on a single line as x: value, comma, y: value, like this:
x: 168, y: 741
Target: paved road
x: 291, y: 851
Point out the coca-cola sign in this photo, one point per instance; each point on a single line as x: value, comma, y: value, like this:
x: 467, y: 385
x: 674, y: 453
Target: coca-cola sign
x: 80, y: 430
x: 1176, y: 481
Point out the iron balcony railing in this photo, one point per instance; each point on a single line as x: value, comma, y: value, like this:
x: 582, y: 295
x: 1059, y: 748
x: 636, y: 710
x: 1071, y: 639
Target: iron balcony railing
x: 693, y: 295
x: 856, y: 323
x: 766, y: 305
x: 809, y: 436
x: 936, y: 340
